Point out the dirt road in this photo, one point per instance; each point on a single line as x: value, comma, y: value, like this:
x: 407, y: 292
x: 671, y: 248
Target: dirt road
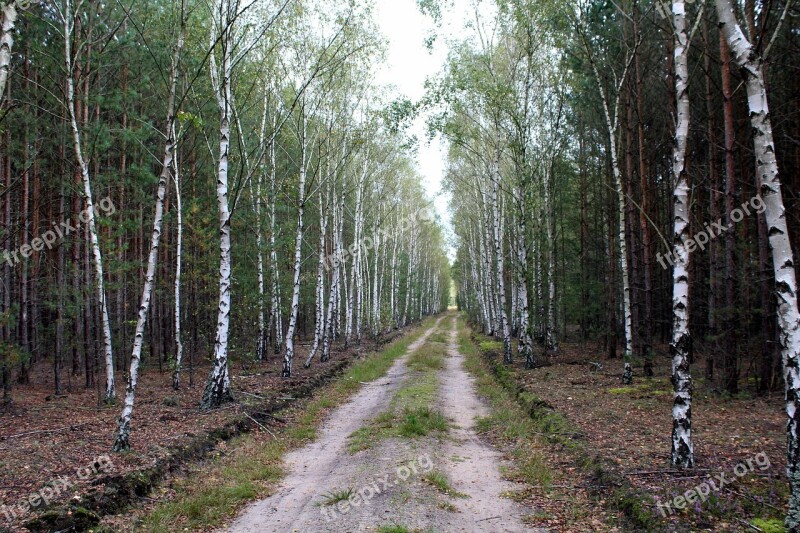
x: 390, y: 483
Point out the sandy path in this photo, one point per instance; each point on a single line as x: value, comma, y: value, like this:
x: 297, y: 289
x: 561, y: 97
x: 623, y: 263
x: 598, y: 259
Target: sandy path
x: 387, y: 480
x: 472, y: 466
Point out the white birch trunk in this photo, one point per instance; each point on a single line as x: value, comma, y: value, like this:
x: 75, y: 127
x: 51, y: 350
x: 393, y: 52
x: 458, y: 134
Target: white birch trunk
x: 261, y: 342
x: 353, y: 301
x: 611, y: 125
x: 498, y: 251
x: 409, y: 276
x: 525, y: 345
x: 477, y: 281
x: 276, y: 318
x: 218, y: 390
x: 301, y: 201
x: 623, y: 250
x: 124, y: 424
x: 9, y: 14
x: 176, y: 377
x: 540, y: 320
x: 551, y: 342
x: 110, y: 393
x: 358, y: 264
x: 376, y: 306
x: 394, y: 279
x: 319, y: 326
x: 329, y: 327
x: 682, y: 449
x: 339, y: 271
x: 782, y: 256
x: 487, y: 269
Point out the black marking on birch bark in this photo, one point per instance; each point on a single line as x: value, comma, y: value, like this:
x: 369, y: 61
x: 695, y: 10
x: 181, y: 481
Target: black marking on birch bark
x: 781, y: 287
x: 627, y: 374
x: 775, y: 230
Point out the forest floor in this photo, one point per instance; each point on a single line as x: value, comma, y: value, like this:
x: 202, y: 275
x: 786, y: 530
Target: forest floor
x: 401, y: 443
x: 590, y: 418
x: 59, y: 447
x: 431, y: 434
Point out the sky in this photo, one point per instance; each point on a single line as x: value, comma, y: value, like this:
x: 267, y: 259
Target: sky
x: 408, y: 64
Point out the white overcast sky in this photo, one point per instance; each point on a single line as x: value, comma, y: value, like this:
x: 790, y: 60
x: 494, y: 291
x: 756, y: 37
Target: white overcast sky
x: 408, y: 64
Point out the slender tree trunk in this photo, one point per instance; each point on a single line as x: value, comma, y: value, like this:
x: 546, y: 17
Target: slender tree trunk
x: 124, y: 426
x: 110, y: 389
x: 498, y: 251
x: 682, y: 449
x: 551, y: 342
x: 176, y: 376
x: 729, y: 357
x: 9, y: 18
x: 329, y: 327
x: 319, y: 304
x: 782, y: 256
x: 525, y: 344
x: 218, y: 385
x: 275, y: 315
x: 301, y: 187
x: 612, y: 123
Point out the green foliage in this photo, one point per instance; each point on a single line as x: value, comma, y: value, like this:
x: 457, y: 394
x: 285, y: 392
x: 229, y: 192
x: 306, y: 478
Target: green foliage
x: 421, y: 421
x: 395, y: 528
x: 440, y: 481
x: 769, y: 525
x: 336, y: 496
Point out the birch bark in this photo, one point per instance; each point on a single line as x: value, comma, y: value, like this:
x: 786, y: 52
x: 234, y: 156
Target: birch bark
x: 498, y: 250
x: 301, y: 201
x: 69, y: 23
x: 319, y: 326
x: 276, y: 318
x: 124, y: 425
x: 218, y: 389
x: 747, y: 58
x: 9, y: 19
x: 682, y: 449
x: 176, y: 377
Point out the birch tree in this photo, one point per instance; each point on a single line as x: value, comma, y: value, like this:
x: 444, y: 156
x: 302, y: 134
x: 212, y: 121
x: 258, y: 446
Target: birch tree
x: 8, y: 14
x: 288, y: 355
x: 610, y: 106
x: 218, y: 385
x: 122, y: 441
x: 176, y: 376
x: 68, y: 18
x: 752, y: 65
x: 499, y: 254
x: 682, y: 448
